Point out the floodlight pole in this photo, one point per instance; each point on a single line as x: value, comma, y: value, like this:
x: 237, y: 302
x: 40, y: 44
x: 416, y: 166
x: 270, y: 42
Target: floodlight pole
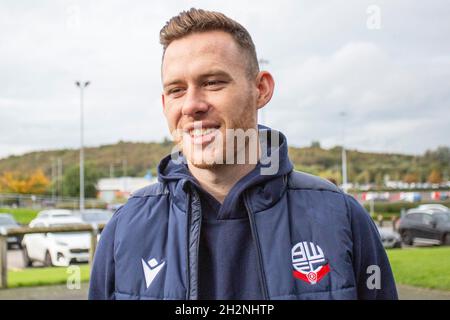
x: 81, y: 85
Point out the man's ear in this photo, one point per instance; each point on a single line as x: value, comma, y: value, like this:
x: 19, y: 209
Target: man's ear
x: 265, y: 86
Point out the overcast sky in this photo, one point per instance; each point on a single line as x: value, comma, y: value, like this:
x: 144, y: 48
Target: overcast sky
x: 386, y: 64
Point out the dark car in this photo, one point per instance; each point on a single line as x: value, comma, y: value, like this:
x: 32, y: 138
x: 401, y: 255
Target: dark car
x: 7, y: 222
x: 426, y: 226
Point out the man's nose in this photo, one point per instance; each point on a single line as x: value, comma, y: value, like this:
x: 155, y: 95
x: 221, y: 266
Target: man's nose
x: 194, y: 104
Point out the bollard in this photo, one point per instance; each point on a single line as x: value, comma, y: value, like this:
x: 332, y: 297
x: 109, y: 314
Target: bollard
x: 394, y: 222
x: 380, y: 220
x: 3, y: 262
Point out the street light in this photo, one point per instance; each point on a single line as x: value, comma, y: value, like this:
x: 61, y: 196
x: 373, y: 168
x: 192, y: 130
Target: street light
x: 81, y: 85
x: 344, y: 155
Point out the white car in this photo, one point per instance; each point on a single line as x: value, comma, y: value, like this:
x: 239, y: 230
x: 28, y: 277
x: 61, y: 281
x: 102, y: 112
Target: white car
x: 56, y: 249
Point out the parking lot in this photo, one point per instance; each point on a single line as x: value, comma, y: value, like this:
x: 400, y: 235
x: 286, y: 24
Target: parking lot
x: 15, y: 259
x: 16, y: 263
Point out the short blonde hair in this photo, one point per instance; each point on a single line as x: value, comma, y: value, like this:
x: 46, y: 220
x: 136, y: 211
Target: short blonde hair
x: 198, y: 20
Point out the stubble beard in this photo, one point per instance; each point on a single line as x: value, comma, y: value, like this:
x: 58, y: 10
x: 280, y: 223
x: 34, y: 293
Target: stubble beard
x: 217, y: 159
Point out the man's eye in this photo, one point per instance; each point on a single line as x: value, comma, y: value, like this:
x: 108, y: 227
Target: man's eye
x: 213, y: 83
x: 175, y: 90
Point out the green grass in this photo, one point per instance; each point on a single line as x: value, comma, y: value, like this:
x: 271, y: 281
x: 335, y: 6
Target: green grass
x: 45, y: 276
x: 422, y: 267
x: 23, y: 216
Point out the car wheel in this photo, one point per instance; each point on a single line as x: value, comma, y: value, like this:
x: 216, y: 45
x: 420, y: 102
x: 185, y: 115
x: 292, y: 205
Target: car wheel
x: 26, y: 258
x: 48, y: 260
x: 398, y: 245
x: 407, y: 238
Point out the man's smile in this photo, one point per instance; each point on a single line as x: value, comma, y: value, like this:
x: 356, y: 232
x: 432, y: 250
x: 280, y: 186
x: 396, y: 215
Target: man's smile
x: 201, y: 132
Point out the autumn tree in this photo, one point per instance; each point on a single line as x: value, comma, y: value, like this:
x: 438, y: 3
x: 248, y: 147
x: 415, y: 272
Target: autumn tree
x: 435, y: 176
x: 36, y: 183
x: 411, y: 177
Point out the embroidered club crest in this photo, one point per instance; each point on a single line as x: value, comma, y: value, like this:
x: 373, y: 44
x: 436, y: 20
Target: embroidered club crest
x: 309, y: 262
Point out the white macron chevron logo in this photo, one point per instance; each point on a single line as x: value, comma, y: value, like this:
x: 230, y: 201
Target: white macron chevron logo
x: 151, y: 270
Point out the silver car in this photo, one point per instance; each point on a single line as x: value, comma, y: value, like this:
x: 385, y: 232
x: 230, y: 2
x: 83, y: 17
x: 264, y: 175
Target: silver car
x: 390, y: 238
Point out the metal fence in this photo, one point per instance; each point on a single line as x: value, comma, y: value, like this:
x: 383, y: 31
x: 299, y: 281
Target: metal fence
x: 45, y: 201
x: 4, y: 234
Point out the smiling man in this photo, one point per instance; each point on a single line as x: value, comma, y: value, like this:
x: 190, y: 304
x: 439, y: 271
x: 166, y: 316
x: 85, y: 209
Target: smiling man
x: 229, y: 217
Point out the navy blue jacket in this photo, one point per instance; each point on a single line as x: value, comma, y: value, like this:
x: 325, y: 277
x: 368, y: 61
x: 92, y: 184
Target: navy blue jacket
x: 312, y: 241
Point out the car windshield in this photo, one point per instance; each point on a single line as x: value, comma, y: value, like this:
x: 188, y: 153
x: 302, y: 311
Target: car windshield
x: 61, y: 215
x: 7, y: 221
x: 65, y: 224
x: 96, y: 216
x: 68, y: 233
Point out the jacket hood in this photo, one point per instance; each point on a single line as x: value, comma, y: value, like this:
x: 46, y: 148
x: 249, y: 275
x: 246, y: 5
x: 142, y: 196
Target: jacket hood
x: 265, y: 182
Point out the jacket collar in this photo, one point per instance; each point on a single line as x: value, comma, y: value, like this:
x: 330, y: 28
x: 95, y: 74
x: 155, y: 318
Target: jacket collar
x: 263, y: 186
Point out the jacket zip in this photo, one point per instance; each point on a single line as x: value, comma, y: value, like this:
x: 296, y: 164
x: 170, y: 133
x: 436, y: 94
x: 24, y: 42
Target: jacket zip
x: 194, y: 223
x: 262, y: 277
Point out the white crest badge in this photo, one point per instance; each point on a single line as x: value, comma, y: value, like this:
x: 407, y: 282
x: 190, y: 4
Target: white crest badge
x: 309, y: 262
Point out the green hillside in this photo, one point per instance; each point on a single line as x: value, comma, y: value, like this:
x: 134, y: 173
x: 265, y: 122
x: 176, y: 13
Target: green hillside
x: 137, y: 158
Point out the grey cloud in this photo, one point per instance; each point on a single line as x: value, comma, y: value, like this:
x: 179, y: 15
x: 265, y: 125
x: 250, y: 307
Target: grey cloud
x: 392, y: 82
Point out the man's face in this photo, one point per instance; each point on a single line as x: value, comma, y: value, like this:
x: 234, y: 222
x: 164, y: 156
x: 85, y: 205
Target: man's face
x: 206, y: 84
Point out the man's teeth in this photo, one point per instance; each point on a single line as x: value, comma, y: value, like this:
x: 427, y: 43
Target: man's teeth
x: 201, y: 132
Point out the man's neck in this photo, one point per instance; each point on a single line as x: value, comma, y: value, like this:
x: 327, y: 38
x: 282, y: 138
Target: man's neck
x: 219, y: 180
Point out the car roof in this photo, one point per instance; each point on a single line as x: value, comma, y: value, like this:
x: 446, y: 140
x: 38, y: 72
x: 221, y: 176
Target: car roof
x: 4, y: 214
x: 63, y: 220
x: 58, y: 220
x: 55, y: 212
x: 87, y: 211
x: 426, y: 211
x: 8, y: 216
x: 415, y: 210
x: 433, y: 206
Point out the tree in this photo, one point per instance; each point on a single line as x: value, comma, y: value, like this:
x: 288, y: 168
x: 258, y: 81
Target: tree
x: 379, y: 179
x: 363, y: 177
x: 71, y: 181
x: 11, y: 182
x: 331, y: 175
x: 36, y: 183
x: 435, y: 176
x: 411, y: 177
x: 315, y: 144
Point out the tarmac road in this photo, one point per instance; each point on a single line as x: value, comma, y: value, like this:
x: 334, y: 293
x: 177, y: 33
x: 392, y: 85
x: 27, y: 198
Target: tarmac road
x: 15, y: 259
x: 60, y: 292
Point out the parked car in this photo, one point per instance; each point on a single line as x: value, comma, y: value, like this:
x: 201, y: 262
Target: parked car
x: 433, y: 206
x: 54, y: 213
x: 114, y: 206
x: 390, y: 238
x: 426, y: 226
x: 94, y: 216
x: 7, y: 221
x: 56, y: 249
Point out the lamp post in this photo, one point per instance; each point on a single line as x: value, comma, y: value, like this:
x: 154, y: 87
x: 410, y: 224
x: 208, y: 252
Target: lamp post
x: 344, y: 155
x: 81, y: 85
